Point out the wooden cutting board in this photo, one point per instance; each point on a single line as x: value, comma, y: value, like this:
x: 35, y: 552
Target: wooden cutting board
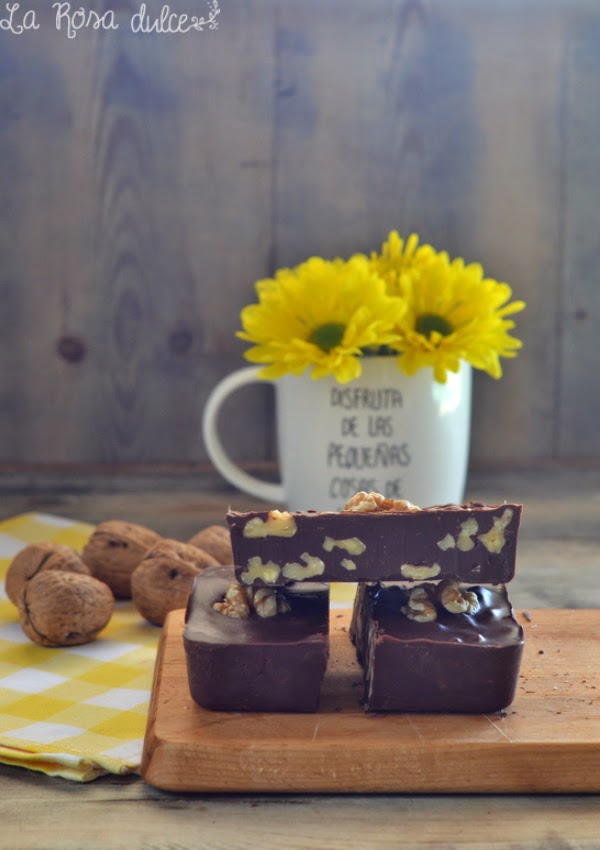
x: 547, y: 741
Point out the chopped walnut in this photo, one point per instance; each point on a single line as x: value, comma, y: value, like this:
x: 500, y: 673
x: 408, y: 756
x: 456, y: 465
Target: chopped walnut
x: 468, y: 529
x: 419, y: 606
x: 457, y: 600
x: 419, y: 572
x: 362, y: 501
x: 277, y: 524
x: 256, y: 569
x: 268, y: 603
x: 313, y: 566
x: 265, y: 602
x: 494, y: 540
x: 402, y: 505
x: 376, y: 503
x: 235, y: 603
x: 240, y: 601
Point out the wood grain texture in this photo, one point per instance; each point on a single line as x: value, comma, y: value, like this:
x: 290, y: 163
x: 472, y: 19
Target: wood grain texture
x: 133, y: 159
x: 135, y: 816
x: 579, y: 378
x: 148, y: 181
x: 517, y: 90
x: 548, y: 740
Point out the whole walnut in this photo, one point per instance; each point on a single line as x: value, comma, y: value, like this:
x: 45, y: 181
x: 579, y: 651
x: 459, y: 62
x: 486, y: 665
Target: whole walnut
x: 164, y: 579
x: 37, y: 558
x: 114, y: 550
x: 216, y: 540
x: 194, y: 555
x: 64, y: 609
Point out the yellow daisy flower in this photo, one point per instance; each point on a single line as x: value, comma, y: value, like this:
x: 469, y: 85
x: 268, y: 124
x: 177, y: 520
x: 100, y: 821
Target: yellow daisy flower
x: 320, y: 315
x: 453, y: 314
x: 400, y: 258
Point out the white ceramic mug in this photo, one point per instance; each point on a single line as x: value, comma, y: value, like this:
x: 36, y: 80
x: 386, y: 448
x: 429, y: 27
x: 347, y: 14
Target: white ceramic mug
x: 404, y: 436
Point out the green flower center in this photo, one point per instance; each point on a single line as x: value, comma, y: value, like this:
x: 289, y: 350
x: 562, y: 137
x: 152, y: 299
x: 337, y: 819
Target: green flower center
x: 430, y: 323
x: 327, y: 336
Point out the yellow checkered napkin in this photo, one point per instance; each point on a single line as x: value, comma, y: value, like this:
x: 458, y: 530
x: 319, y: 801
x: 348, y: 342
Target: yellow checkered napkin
x: 75, y: 712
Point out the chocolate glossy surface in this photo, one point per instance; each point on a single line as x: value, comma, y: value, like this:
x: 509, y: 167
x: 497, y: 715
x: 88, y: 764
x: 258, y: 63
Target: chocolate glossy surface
x: 457, y: 663
x: 256, y: 664
x: 473, y: 543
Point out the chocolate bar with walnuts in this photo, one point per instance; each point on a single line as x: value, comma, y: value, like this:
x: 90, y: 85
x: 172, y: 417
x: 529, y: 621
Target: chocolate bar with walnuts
x: 443, y: 648
x: 377, y: 540
x: 255, y: 650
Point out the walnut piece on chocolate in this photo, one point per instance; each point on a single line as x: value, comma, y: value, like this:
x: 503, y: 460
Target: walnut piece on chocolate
x: 419, y: 572
x: 239, y: 602
x: 494, y: 539
x: 235, y: 603
x: 419, y: 606
x: 267, y: 572
x: 277, y: 524
x: 456, y: 599
x: 268, y: 603
x: 375, y: 502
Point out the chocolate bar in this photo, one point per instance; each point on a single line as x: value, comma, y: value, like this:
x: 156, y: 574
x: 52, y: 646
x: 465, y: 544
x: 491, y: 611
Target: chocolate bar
x: 474, y: 543
x: 240, y: 661
x: 436, y: 648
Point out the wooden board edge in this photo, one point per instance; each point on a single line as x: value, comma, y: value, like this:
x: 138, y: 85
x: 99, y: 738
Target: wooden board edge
x: 534, y: 768
x: 152, y: 745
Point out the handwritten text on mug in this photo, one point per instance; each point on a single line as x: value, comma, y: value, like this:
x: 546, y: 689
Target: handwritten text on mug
x: 360, y: 460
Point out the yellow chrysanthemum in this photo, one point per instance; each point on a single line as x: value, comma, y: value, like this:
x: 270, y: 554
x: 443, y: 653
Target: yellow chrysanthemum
x: 453, y: 314
x: 320, y: 315
x: 400, y: 258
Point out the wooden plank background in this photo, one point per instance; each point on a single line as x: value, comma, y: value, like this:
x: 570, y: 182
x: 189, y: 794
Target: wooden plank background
x: 146, y: 182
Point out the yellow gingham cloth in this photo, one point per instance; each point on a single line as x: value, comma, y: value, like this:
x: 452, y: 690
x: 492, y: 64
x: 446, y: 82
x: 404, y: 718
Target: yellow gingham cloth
x: 79, y: 711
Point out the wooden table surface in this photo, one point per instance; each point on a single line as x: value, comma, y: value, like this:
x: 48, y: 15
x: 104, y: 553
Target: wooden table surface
x: 558, y: 567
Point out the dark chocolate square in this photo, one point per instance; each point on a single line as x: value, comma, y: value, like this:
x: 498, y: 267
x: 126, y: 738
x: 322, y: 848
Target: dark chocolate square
x: 274, y: 664
x: 466, y: 663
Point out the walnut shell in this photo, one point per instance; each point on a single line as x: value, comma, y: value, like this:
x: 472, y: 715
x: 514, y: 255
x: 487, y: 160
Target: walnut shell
x: 164, y: 579
x: 64, y: 609
x: 168, y: 548
x: 114, y: 550
x: 216, y: 540
x: 38, y: 557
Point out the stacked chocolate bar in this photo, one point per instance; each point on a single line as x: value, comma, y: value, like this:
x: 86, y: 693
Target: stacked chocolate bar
x: 432, y: 624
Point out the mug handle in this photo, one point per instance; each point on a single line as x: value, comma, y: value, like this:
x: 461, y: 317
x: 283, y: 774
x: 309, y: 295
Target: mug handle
x: 229, y: 470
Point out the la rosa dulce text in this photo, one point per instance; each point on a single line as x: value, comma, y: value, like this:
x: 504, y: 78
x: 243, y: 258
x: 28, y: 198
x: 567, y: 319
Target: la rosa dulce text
x: 72, y: 20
